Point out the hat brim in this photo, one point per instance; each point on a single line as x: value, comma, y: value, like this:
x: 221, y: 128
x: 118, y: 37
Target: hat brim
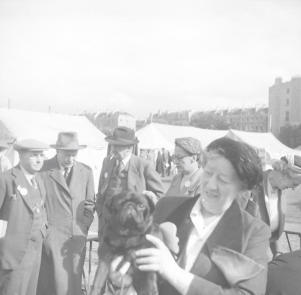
x: 68, y: 148
x: 124, y: 142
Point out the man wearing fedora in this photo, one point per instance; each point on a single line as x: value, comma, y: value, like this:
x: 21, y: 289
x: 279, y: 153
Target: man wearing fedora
x: 126, y: 171
x: 70, y: 207
x: 123, y: 171
x: 22, y: 220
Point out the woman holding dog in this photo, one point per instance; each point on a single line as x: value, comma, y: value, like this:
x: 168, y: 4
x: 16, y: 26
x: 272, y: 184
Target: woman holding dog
x: 223, y: 249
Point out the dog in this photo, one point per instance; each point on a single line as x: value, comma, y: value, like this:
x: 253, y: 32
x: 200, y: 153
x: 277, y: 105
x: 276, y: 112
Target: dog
x: 130, y: 218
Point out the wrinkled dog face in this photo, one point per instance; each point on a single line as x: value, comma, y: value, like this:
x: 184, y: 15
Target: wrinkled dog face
x: 131, y: 213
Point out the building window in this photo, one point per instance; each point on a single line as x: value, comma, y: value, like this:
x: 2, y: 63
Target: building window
x: 287, y: 90
x: 287, y: 101
x: 287, y: 116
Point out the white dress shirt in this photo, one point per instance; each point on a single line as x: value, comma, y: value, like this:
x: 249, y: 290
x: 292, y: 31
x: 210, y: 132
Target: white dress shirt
x: 201, y: 231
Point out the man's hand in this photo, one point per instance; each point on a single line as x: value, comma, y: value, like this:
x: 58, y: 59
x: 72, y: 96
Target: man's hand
x: 89, y: 208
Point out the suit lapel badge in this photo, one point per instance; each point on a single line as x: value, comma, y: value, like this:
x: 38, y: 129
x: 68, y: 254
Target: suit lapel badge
x: 22, y: 190
x: 14, y: 196
x: 187, y: 184
x: 106, y: 175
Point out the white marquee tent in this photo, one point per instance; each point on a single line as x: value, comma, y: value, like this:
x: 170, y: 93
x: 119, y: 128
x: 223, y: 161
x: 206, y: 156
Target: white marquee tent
x: 19, y: 124
x: 156, y: 136
x: 263, y: 141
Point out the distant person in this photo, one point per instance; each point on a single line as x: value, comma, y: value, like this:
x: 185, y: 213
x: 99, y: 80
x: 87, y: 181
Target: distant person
x: 22, y: 212
x: 187, y: 181
x: 159, y: 163
x: 70, y: 207
x: 5, y: 163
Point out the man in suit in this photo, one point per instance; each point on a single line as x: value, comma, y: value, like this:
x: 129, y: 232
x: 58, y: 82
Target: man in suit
x: 123, y: 171
x: 23, y: 218
x: 70, y: 207
x: 187, y: 155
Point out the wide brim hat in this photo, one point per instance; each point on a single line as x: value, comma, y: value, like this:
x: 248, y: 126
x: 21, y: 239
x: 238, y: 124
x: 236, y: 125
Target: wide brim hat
x: 67, y: 141
x: 30, y: 145
x: 122, y: 136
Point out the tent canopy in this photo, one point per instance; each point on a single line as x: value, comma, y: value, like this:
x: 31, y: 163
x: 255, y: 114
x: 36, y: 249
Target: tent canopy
x: 263, y: 141
x: 156, y: 136
x: 19, y: 124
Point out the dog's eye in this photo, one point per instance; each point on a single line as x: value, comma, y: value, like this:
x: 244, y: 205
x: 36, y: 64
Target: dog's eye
x: 141, y: 206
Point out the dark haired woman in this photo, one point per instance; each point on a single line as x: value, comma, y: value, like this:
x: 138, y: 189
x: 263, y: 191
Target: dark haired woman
x: 223, y: 249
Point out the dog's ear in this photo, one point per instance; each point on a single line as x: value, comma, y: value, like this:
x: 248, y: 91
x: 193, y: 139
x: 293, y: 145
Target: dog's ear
x: 150, y: 203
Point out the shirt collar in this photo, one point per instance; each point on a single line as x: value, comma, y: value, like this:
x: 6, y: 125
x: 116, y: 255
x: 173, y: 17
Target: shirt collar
x: 197, y: 218
x: 126, y: 160
x: 28, y: 175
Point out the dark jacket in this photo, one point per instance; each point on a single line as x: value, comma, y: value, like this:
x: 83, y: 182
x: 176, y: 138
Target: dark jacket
x: 18, y: 209
x: 234, y: 258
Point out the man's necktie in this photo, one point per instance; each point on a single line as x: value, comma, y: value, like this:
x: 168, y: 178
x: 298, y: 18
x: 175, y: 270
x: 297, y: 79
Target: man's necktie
x: 66, y: 175
x: 34, y: 183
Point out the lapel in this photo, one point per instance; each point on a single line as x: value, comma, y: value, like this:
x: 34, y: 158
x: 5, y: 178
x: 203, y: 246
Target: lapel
x: 228, y: 233
x: 107, y: 174
x: 132, y: 173
x: 75, y: 177
x: 41, y: 187
x: 56, y: 174
x: 22, y: 187
x: 181, y: 218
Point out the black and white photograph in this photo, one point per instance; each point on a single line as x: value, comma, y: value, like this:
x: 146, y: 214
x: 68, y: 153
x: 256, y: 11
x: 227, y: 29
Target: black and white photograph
x: 150, y: 147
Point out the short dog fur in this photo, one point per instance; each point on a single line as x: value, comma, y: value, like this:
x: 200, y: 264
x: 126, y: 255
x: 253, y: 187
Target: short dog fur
x: 129, y: 220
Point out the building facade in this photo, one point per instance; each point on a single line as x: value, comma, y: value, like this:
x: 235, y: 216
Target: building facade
x: 248, y: 119
x: 284, y: 104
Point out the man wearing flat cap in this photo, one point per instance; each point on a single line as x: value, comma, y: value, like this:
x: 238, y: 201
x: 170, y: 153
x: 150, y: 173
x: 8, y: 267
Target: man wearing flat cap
x: 122, y: 171
x: 187, y: 155
x: 70, y: 207
x: 22, y: 220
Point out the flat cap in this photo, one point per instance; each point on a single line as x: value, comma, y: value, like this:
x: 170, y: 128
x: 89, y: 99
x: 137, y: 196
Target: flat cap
x: 30, y: 145
x: 189, y: 144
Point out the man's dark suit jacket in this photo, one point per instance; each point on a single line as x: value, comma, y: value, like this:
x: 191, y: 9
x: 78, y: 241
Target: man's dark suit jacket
x: 141, y: 176
x: 17, y: 207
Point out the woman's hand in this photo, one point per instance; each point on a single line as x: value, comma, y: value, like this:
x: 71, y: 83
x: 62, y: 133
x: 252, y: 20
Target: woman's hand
x: 158, y: 259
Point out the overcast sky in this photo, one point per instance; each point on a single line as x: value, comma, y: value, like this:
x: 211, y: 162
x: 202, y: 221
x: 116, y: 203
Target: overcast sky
x: 142, y: 56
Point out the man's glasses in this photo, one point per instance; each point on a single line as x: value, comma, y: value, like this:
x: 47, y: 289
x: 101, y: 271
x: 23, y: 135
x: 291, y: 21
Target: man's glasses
x: 179, y: 157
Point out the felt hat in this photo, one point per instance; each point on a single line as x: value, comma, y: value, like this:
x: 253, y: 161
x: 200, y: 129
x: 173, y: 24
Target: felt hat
x: 30, y: 145
x: 67, y: 141
x: 122, y: 136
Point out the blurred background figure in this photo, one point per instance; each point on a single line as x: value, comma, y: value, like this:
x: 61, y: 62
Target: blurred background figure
x: 187, y: 181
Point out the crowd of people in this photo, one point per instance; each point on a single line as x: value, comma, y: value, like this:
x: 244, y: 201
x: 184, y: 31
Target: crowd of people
x: 227, y: 211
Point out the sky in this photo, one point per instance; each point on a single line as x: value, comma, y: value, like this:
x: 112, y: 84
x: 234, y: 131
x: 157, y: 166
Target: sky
x: 143, y: 56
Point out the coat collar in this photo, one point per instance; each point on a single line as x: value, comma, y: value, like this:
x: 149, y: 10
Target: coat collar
x: 228, y: 232
x: 22, y: 187
x: 56, y: 174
